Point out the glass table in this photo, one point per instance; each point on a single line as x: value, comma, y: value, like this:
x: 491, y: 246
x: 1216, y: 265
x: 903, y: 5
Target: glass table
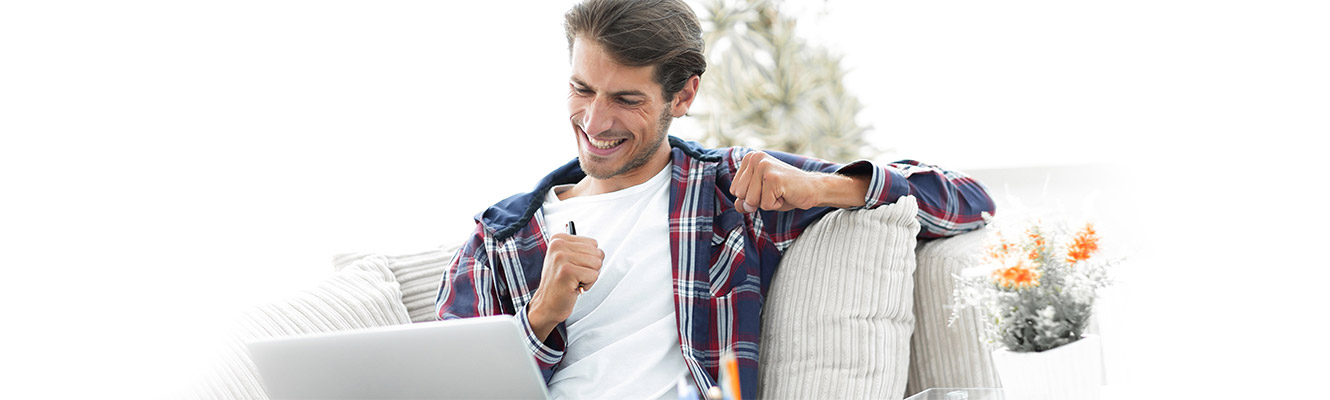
x: 959, y: 394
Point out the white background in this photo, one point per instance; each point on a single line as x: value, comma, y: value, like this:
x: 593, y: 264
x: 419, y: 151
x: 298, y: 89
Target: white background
x: 164, y: 164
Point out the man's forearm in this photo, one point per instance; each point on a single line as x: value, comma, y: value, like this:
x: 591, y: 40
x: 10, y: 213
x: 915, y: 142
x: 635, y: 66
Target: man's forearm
x: 841, y: 191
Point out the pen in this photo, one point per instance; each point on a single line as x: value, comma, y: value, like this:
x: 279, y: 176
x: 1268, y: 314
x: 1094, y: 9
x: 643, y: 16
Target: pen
x: 572, y: 230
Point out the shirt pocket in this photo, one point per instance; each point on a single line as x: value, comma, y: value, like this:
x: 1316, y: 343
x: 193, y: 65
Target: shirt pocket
x: 727, y: 253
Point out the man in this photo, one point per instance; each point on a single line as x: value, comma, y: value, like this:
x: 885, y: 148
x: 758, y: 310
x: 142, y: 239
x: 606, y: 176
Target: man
x: 675, y: 244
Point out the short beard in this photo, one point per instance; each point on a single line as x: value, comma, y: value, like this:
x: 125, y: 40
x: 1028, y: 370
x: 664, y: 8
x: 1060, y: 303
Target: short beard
x: 642, y: 157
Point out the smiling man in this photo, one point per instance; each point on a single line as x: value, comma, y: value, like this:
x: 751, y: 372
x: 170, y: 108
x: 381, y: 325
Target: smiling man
x: 676, y: 244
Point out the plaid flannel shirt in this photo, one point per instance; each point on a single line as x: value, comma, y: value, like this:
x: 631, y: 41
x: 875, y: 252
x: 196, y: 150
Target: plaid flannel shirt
x: 723, y: 260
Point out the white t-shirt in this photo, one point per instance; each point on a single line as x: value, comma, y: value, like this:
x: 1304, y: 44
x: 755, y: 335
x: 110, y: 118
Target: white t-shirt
x: 623, y: 341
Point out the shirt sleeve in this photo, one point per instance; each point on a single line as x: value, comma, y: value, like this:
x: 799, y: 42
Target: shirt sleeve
x: 470, y: 289
x: 950, y: 202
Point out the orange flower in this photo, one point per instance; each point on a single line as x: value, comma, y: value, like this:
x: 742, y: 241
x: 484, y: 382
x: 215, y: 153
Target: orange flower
x: 999, y: 250
x: 1018, y: 276
x: 1084, y: 245
x: 1036, y: 236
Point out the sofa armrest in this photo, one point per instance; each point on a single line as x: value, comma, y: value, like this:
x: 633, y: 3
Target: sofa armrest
x: 941, y: 355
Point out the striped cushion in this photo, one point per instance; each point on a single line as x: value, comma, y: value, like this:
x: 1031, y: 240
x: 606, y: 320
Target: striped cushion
x: 837, y: 321
x: 419, y: 273
x: 941, y: 355
x: 362, y: 295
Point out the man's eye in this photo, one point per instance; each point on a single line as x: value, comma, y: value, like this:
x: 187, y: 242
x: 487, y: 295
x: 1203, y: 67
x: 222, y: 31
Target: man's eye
x: 582, y: 91
x: 628, y: 102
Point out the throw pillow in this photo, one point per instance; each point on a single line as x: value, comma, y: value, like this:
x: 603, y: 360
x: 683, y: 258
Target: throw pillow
x: 838, y: 319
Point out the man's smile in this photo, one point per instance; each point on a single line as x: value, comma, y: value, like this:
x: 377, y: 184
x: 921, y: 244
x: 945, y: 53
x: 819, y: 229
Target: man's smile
x: 602, y: 148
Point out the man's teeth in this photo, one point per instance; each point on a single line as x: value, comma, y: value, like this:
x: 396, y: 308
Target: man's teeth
x: 604, y: 145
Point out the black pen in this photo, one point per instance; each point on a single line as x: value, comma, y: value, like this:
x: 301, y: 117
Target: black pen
x: 572, y: 230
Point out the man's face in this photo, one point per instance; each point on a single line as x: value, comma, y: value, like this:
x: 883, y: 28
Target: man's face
x: 618, y: 113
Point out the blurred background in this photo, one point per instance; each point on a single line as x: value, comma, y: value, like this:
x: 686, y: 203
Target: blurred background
x: 165, y: 164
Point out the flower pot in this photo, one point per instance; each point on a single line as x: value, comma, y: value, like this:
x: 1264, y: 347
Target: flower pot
x: 1072, y: 371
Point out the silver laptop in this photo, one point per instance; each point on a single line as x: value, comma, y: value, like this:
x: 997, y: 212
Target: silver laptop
x: 475, y: 358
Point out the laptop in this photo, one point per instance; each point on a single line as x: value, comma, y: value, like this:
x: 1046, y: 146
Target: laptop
x: 473, y: 358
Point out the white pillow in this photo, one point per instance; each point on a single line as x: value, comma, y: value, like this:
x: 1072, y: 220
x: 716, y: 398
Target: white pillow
x: 362, y: 295
x: 420, y: 275
x: 837, y: 320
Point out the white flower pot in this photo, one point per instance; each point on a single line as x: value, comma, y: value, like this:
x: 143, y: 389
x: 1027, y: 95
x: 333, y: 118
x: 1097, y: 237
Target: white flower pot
x: 1073, y: 371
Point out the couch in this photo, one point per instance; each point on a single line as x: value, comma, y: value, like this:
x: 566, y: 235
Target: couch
x: 858, y: 309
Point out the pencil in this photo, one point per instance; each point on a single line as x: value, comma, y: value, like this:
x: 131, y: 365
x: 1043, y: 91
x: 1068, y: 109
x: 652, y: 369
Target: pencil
x: 730, y: 376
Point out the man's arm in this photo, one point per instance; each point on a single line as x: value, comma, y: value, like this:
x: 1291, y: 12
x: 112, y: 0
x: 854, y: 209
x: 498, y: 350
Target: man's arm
x: 949, y: 202
x: 465, y: 291
x: 469, y: 289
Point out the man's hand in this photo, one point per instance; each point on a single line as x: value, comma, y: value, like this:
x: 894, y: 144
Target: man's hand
x: 570, y: 261
x: 767, y: 183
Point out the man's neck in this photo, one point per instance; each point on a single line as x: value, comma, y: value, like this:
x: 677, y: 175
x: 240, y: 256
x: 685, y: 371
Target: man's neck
x: 589, y: 186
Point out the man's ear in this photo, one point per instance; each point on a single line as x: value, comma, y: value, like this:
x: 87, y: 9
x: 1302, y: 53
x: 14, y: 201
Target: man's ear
x: 684, y: 98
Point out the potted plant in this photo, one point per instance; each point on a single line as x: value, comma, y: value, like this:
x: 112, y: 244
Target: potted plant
x: 1035, y: 295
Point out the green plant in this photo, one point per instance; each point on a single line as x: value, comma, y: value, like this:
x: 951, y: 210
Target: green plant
x: 767, y: 88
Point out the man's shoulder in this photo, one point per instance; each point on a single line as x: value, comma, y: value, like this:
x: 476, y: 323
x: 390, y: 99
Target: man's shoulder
x: 727, y: 158
x: 698, y: 151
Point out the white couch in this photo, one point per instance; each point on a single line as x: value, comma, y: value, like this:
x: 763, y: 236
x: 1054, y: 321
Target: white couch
x: 855, y: 311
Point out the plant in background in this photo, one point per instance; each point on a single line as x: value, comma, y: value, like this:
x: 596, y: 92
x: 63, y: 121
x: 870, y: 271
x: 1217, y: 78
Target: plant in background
x: 769, y: 89
x: 1035, y: 293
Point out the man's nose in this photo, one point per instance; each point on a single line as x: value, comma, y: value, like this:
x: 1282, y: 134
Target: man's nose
x: 597, y: 118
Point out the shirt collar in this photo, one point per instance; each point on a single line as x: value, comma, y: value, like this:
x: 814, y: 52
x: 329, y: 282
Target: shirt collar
x: 507, y: 217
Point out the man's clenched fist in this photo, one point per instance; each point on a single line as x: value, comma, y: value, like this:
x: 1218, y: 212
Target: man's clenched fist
x: 570, y: 262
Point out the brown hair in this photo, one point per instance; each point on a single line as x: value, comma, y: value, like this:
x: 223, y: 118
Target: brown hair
x: 664, y: 34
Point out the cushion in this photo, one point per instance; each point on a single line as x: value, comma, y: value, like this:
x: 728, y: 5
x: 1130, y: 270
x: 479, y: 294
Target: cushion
x: 419, y: 273
x: 362, y: 295
x: 941, y: 355
x: 837, y: 320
